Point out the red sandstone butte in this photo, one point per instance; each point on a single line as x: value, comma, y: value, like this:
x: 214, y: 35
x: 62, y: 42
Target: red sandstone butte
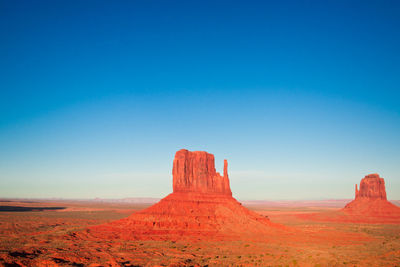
x: 195, y: 172
x: 371, y: 203
x: 201, y: 207
x: 369, y: 206
x: 371, y: 187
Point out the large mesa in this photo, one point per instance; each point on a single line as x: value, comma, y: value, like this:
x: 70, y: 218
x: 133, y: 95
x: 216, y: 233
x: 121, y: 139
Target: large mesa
x: 195, y: 172
x: 370, y: 202
x: 201, y: 206
x: 371, y: 187
x: 370, y: 205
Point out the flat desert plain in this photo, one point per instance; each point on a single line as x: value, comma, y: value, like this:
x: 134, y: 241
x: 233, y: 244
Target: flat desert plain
x: 49, y: 233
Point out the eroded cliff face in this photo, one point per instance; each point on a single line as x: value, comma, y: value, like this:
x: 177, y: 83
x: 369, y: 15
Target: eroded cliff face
x: 369, y: 206
x: 201, y: 207
x: 195, y: 172
x: 372, y: 187
x: 370, y: 203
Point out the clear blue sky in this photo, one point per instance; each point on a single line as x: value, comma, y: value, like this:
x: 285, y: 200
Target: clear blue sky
x: 301, y: 97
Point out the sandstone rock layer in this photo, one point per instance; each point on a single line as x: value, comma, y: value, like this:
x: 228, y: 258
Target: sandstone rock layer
x: 371, y: 201
x: 369, y: 206
x: 201, y: 207
x: 195, y: 172
x: 371, y: 187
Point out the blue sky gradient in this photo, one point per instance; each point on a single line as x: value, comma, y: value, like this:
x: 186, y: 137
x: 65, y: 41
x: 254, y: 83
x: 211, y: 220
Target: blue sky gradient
x: 301, y: 97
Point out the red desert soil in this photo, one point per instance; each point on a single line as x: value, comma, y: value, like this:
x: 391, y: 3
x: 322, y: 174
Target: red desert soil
x: 57, y: 238
x: 369, y: 206
x: 199, y: 224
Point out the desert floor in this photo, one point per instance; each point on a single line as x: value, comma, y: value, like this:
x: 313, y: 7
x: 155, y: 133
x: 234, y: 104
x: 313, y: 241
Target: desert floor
x: 52, y: 234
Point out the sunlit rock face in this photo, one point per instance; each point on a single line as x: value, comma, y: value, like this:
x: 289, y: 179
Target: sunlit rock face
x: 370, y: 205
x: 371, y: 201
x: 195, y: 172
x: 371, y: 187
x: 201, y: 207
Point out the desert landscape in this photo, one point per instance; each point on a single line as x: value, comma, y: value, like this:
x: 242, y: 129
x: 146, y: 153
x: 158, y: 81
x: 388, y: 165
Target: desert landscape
x: 201, y: 224
x: 58, y: 238
x: 199, y: 133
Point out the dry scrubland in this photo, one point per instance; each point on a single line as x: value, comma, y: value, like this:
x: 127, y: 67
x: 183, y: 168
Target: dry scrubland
x: 56, y: 238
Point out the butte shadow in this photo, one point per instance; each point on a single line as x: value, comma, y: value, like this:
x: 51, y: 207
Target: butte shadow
x: 201, y: 207
x: 369, y: 206
x: 23, y: 208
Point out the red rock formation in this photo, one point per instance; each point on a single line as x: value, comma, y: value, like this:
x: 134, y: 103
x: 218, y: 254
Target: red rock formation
x: 370, y: 201
x: 369, y: 206
x: 371, y: 187
x: 195, y: 172
x: 200, y: 207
